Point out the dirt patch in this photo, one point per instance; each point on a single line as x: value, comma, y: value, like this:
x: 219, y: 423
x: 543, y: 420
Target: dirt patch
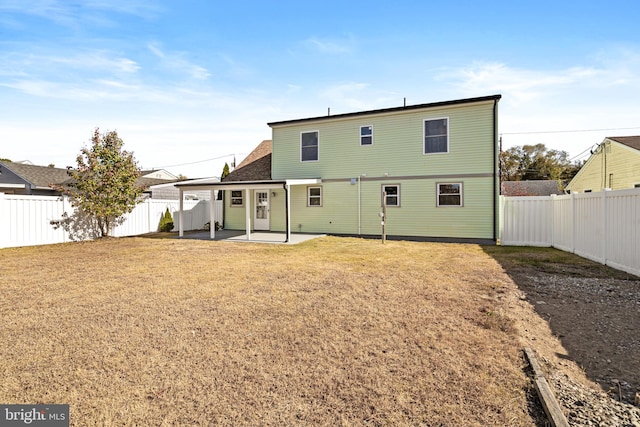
x: 593, y: 312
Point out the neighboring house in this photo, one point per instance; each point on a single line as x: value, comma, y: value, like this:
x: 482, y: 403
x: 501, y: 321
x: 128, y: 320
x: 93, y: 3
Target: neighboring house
x: 542, y: 187
x: 169, y: 191
x: 614, y: 164
x: 158, y: 174
x: 437, y: 164
x: 28, y: 179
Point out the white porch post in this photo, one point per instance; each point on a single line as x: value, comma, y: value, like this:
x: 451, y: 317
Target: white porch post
x: 247, y: 194
x: 180, y: 221
x: 212, y: 215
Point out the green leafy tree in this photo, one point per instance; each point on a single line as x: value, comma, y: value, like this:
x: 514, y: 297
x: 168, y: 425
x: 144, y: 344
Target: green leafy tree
x: 536, y: 162
x: 103, y: 185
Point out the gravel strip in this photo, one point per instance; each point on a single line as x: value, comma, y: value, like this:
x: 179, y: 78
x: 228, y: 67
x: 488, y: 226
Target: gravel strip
x: 586, y: 407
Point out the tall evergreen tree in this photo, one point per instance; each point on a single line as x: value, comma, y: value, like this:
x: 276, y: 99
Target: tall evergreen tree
x: 223, y: 175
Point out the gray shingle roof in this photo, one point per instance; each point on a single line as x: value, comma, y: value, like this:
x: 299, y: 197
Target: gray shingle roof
x: 40, y: 176
x: 629, y: 141
x: 255, y: 167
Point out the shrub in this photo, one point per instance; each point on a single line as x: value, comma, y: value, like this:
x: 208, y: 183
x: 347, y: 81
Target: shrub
x: 166, y: 222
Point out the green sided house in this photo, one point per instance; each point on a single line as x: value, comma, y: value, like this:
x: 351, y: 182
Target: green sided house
x: 434, y: 166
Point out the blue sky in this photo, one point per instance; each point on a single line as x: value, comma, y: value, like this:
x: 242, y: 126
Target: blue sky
x: 189, y: 84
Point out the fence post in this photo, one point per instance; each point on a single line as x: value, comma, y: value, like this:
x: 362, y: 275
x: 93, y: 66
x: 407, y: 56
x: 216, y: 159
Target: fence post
x: 605, y: 246
x: 553, y: 221
x: 148, y: 205
x: 500, y: 218
x: 65, y: 204
x: 573, y: 222
x: 4, y: 222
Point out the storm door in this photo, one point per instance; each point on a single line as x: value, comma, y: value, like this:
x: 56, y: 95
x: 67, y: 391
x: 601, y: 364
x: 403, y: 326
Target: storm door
x: 261, y: 211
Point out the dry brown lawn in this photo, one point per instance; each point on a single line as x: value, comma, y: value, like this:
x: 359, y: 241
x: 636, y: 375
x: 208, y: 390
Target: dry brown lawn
x: 334, y: 331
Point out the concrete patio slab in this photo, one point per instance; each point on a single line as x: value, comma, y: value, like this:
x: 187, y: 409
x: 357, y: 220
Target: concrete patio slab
x: 255, y: 237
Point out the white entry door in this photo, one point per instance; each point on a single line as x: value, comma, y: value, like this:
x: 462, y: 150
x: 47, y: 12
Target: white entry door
x: 261, y: 211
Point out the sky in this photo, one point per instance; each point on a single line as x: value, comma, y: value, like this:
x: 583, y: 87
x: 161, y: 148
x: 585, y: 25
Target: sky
x: 189, y: 85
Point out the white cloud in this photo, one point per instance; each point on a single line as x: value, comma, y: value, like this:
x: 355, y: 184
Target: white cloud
x: 601, y: 92
x: 66, y: 13
x: 357, y: 96
x: 156, y: 51
x: 331, y: 46
x: 176, y: 61
x: 519, y: 85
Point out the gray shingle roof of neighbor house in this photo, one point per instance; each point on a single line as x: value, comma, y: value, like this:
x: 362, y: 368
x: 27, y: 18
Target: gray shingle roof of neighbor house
x: 543, y: 187
x: 255, y: 167
x: 148, y: 182
x: 629, y: 141
x: 39, y: 176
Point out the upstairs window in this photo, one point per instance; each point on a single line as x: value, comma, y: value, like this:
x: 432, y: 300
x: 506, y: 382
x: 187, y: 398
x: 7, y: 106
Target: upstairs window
x: 366, y: 135
x: 450, y: 194
x: 392, y: 194
x: 309, y: 144
x: 236, y: 198
x: 436, y: 136
x: 314, y: 196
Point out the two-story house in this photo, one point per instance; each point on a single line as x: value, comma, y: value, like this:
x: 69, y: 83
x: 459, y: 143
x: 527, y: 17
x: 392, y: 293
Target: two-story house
x: 434, y: 167
x: 614, y: 164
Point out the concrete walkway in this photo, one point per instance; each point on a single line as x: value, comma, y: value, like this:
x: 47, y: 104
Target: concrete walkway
x: 255, y: 237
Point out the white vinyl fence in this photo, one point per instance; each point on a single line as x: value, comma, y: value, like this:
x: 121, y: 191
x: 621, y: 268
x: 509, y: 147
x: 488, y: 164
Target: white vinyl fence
x: 603, y: 226
x: 26, y: 220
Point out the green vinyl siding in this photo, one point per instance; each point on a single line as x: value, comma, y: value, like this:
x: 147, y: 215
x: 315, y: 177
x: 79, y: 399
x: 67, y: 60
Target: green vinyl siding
x: 417, y: 215
x: 398, y: 147
x: 234, y: 216
x: 616, y: 168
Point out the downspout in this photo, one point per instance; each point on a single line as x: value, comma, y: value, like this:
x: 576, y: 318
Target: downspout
x: 286, y: 212
x: 496, y: 178
x: 359, y: 207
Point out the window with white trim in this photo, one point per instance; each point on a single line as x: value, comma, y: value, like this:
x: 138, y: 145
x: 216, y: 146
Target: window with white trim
x: 392, y: 194
x: 309, y: 146
x: 366, y: 135
x: 314, y: 196
x: 449, y: 193
x: 236, y: 198
x: 436, y: 136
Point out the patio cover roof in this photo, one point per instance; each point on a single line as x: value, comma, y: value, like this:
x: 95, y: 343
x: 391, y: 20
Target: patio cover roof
x: 241, y: 185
